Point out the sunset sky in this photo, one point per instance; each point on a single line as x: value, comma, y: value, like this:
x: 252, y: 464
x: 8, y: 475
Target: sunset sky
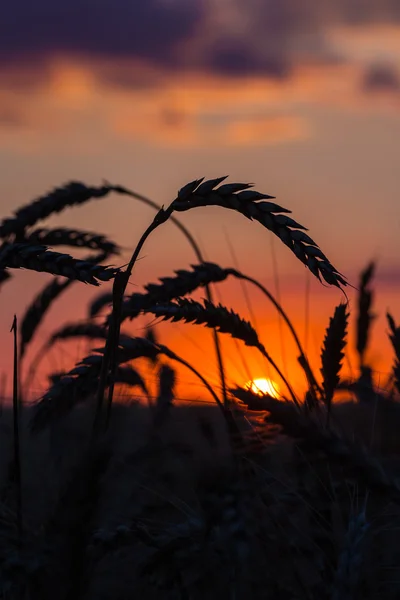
x: 301, y: 99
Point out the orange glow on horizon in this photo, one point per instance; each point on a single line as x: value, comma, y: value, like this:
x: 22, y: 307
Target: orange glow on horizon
x: 263, y: 386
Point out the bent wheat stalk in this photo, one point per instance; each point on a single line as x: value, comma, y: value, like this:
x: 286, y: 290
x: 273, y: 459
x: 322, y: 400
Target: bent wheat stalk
x: 199, y: 256
x: 235, y: 196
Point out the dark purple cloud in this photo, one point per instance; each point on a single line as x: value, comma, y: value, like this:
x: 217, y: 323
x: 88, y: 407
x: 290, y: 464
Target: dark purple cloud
x: 381, y: 78
x: 151, y: 29
x: 161, y: 31
x: 236, y: 57
x: 388, y: 276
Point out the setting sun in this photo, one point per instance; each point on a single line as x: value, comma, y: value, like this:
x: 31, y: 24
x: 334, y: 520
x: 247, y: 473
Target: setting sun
x: 263, y: 386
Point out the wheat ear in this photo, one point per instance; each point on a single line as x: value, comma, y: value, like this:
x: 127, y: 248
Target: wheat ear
x: 91, y: 331
x: 39, y: 258
x: 395, y: 339
x: 364, y: 316
x: 37, y: 310
x: 71, y: 237
x: 252, y: 204
x: 73, y: 388
x: 332, y: 353
x: 222, y: 319
x: 71, y: 194
x: 98, y: 303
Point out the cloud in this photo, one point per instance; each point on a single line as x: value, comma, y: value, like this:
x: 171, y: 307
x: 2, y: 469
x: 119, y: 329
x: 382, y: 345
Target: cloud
x: 388, y: 276
x: 11, y: 118
x: 173, y: 128
x: 152, y: 29
x: 381, y: 78
x: 228, y: 37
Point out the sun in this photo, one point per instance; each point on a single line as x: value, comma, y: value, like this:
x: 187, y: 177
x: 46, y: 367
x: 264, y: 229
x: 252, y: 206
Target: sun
x: 263, y: 386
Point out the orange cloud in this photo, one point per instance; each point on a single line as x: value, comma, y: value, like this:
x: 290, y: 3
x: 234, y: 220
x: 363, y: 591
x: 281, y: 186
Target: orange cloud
x: 181, y: 110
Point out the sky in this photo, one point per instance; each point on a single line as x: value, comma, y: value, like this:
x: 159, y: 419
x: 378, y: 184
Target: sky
x: 301, y: 99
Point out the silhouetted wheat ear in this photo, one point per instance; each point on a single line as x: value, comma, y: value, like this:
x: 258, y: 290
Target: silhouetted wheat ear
x: 74, y: 330
x: 171, y: 288
x: 250, y: 203
x: 395, y: 339
x: 71, y: 237
x: 37, y: 310
x: 39, y: 258
x: 364, y: 317
x: 166, y: 393
x: 98, y: 303
x: 74, y: 388
x: 71, y: 194
x: 210, y: 315
x: 332, y: 352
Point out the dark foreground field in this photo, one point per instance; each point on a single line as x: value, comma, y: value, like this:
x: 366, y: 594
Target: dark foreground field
x: 171, y: 510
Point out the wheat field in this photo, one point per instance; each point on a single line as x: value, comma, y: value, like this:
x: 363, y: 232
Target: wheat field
x: 255, y: 497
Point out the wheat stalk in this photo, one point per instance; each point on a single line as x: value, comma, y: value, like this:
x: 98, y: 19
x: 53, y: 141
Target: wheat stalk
x: 69, y: 529
x: 71, y: 237
x: 39, y: 258
x: 350, y: 559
